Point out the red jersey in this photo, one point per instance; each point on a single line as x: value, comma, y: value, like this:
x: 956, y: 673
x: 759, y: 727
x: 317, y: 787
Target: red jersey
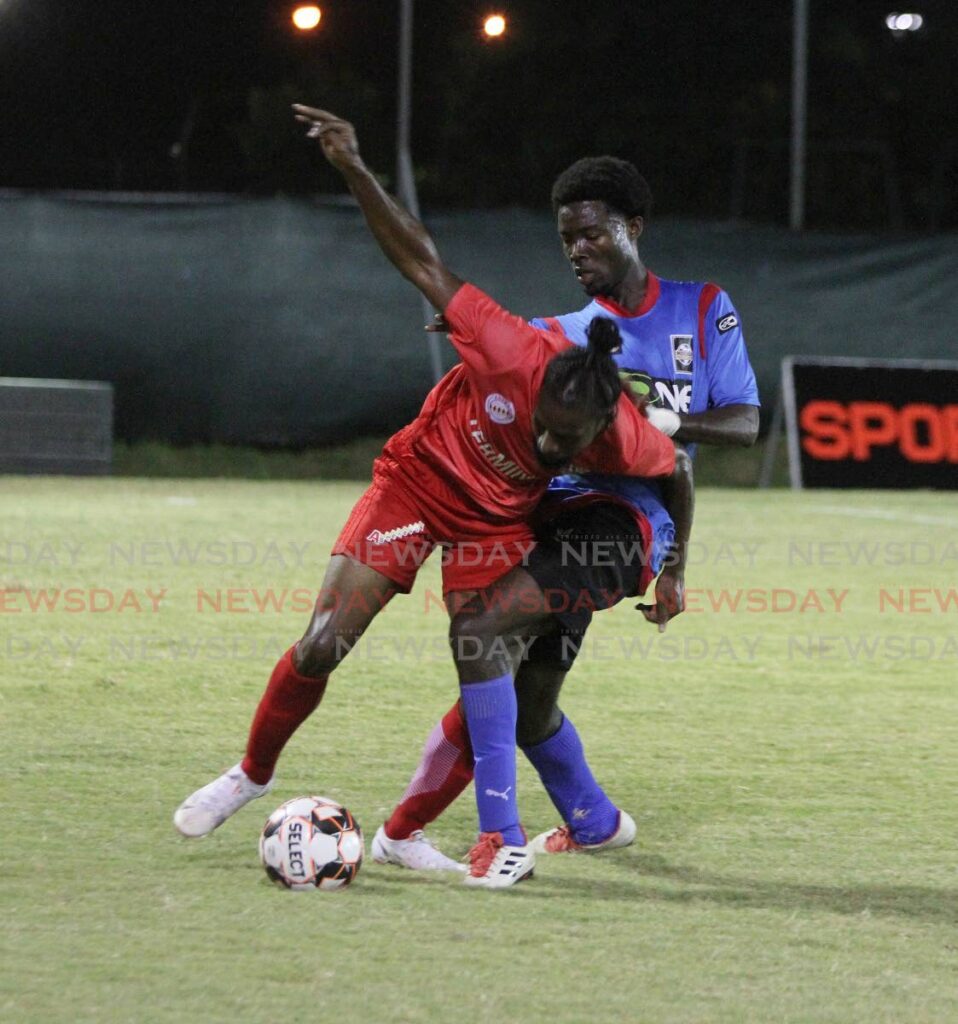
x: 475, y: 431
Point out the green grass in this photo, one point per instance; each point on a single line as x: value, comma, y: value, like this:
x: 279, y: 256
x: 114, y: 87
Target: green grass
x: 721, y: 467
x: 797, y: 814
x: 335, y: 462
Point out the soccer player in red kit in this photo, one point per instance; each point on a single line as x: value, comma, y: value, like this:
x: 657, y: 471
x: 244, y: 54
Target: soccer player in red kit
x: 684, y: 349
x: 469, y: 470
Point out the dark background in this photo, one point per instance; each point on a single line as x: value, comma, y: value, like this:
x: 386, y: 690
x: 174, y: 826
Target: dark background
x: 97, y: 94
x: 277, y: 321
x: 164, y: 226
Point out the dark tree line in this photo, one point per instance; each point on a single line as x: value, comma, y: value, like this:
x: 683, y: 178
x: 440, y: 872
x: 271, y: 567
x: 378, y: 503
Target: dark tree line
x: 195, y: 96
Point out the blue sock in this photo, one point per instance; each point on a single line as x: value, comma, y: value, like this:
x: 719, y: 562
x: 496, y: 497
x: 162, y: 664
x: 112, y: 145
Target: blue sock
x: 490, y: 709
x: 561, y: 764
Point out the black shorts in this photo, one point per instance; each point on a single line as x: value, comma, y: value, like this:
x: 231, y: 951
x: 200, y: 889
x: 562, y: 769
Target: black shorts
x: 586, y: 559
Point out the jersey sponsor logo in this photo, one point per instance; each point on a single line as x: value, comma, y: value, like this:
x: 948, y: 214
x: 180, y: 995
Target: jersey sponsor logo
x: 666, y: 394
x: 496, y: 459
x: 499, y: 409
x: 640, y: 383
x: 388, y: 536
x: 726, y: 323
x: 681, y: 352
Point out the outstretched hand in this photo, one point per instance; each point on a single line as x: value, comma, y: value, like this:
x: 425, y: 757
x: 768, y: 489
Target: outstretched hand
x: 336, y: 136
x: 669, y: 599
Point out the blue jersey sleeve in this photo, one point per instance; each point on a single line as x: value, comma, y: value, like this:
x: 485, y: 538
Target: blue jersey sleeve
x: 731, y: 380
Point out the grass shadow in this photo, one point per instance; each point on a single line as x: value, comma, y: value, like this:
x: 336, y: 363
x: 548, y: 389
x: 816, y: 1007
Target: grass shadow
x: 690, y: 884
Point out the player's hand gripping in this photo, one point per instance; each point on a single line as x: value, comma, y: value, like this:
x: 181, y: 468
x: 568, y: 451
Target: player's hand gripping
x: 669, y: 599
x: 439, y: 325
x: 336, y: 136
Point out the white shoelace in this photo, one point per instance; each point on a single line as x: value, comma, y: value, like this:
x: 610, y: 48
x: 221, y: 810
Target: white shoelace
x: 213, y: 800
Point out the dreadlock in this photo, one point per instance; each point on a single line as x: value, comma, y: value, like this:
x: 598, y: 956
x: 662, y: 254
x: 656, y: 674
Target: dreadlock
x: 588, y: 377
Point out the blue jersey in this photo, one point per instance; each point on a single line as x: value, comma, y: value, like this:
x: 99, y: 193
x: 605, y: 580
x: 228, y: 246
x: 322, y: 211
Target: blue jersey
x: 684, y: 349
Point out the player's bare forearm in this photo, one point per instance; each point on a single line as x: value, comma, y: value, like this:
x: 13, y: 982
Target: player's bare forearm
x: 678, y: 493
x: 402, y: 238
x: 728, y: 425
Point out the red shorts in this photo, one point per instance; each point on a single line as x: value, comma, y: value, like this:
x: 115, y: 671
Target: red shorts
x: 393, y: 530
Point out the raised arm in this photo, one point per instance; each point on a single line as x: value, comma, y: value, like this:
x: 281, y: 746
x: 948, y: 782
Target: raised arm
x: 402, y: 238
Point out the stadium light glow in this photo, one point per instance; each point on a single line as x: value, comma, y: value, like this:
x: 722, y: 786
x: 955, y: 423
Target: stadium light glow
x: 307, y: 17
x: 494, y: 26
x: 904, y: 22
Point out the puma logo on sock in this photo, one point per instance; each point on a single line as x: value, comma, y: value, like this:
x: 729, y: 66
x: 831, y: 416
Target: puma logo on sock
x: 502, y: 796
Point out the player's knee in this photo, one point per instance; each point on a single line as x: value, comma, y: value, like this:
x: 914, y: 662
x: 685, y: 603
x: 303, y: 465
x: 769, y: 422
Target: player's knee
x: 473, y: 637
x: 536, y: 723
x: 318, y: 653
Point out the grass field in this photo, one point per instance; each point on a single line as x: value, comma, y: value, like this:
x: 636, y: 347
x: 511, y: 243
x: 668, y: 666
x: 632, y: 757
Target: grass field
x: 723, y: 467
x: 793, y: 772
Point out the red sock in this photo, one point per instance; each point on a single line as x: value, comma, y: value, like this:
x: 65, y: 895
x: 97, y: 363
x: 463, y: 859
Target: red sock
x: 289, y: 700
x: 445, y: 769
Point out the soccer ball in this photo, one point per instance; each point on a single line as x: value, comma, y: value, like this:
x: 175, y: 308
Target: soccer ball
x: 311, y: 842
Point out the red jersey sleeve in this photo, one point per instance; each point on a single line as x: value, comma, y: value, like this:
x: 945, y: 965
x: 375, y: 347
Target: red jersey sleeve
x: 630, y: 447
x: 488, y: 338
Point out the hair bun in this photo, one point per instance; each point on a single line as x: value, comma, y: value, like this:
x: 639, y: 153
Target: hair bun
x: 604, y: 337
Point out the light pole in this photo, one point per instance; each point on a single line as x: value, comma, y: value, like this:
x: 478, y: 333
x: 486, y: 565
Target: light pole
x: 796, y: 206
x: 405, y: 179
x: 306, y: 18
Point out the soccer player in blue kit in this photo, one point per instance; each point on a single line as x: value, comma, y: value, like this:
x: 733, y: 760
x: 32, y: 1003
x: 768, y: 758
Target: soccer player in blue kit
x: 684, y: 350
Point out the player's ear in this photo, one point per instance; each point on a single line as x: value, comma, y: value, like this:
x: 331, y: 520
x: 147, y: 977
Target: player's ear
x: 636, y: 227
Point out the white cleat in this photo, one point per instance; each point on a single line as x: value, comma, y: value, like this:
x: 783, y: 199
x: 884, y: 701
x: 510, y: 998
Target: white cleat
x: 416, y: 853
x: 559, y: 840
x: 493, y: 865
x: 209, y: 807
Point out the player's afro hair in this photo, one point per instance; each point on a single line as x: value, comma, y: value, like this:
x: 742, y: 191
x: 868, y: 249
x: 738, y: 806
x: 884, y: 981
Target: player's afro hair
x: 615, y: 182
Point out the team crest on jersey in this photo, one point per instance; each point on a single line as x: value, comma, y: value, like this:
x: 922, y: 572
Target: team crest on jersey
x: 727, y: 323
x: 499, y: 409
x: 682, y: 352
